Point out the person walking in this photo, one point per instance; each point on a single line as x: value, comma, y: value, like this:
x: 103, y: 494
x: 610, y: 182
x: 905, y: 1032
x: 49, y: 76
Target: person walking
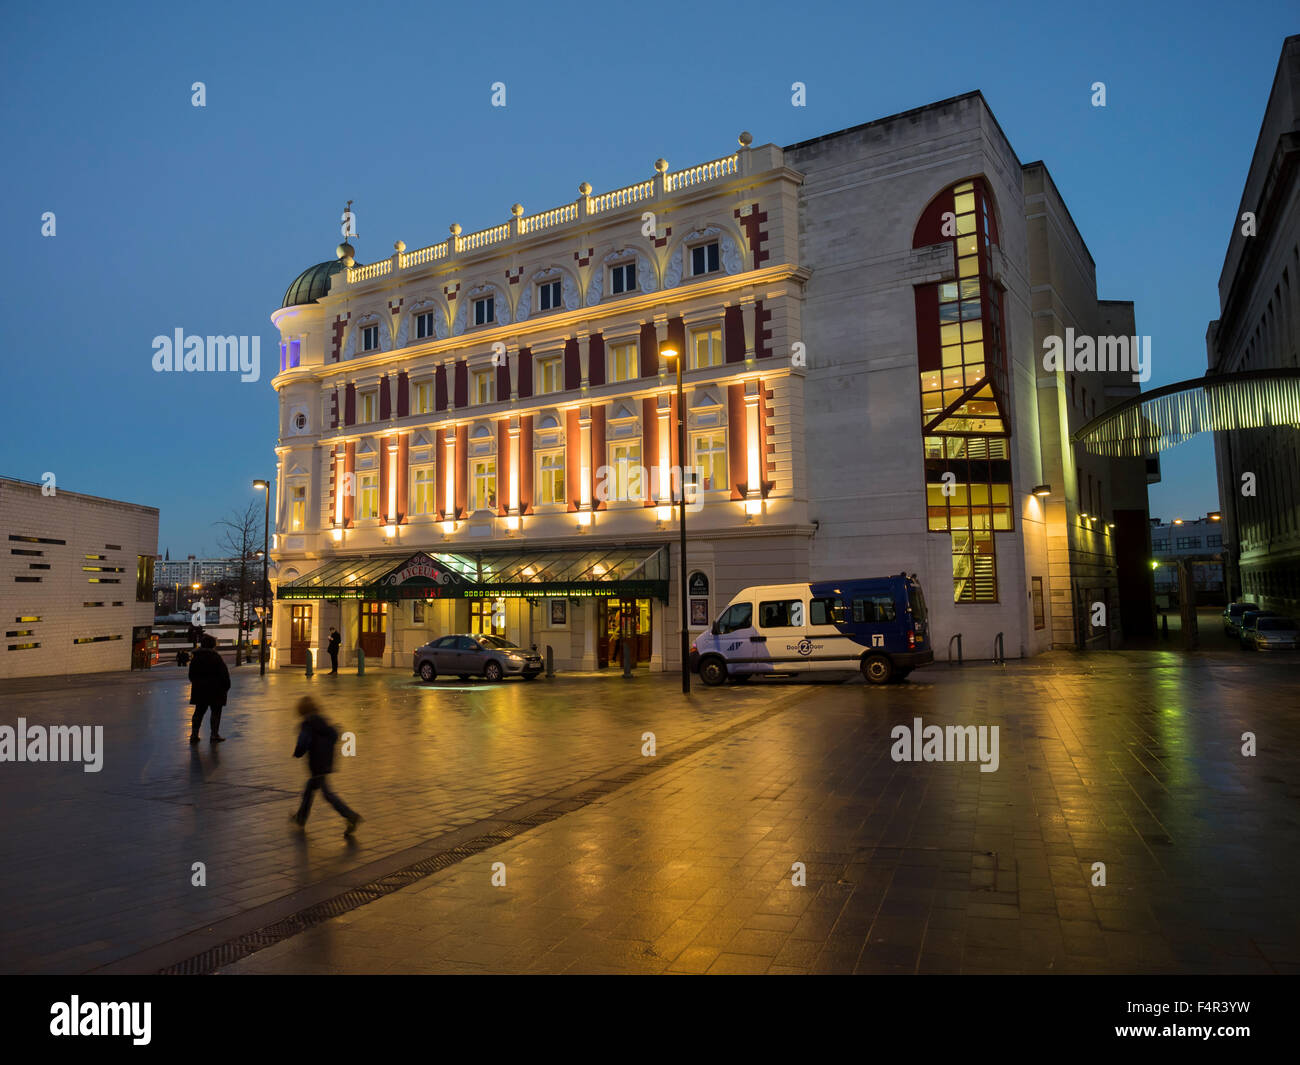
x: 209, y: 683
x: 333, y: 648
x: 316, y: 739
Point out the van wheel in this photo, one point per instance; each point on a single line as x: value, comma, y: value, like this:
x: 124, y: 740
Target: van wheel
x: 877, y: 669
x: 713, y: 671
x: 426, y: 671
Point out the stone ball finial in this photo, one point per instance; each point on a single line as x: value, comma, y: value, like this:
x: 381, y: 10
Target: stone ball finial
x: 345, y: 250
x: 661, y: 165
x: 745, y: 138
x: 455, y: 229
x: 399, y: 246
x: 584, y: 189
x: 517, y: 210
x: 349, y: 261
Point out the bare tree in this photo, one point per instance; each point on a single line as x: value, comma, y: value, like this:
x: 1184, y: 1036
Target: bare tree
x: 239, y: 540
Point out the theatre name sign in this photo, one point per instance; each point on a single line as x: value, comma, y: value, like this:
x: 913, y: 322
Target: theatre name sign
x: 422, y: 578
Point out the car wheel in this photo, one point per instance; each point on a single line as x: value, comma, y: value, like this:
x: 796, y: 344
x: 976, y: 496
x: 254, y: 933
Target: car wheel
x: 877, y: 669
x: 713, y: 671
x: 427, y: 672
x: 492, y: 671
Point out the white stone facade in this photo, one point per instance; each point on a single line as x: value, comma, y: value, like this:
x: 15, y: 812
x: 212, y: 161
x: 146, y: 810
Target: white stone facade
x: 77, y: 579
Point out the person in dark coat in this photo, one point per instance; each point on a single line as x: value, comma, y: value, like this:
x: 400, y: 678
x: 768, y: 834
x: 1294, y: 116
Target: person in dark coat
x: 333, y: 648
x: 209, y: 683
x: 316, y: 739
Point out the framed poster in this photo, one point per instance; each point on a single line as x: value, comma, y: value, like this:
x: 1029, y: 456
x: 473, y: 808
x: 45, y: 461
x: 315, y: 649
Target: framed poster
x: 700, y: 612
x: 559, y: 613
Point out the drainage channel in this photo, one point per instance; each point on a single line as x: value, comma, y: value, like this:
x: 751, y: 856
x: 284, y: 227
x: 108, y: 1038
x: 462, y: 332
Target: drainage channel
x: 241, y: 946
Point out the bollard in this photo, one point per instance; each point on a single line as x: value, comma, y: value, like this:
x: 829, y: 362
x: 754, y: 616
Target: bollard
x: 550, y: 661
x: 1164, y: 626
x: 361, y: 662
x: 627, y: 659
x: 309, y: 661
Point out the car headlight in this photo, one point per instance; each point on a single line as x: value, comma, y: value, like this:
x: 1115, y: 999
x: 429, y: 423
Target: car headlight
x: 515, y: 658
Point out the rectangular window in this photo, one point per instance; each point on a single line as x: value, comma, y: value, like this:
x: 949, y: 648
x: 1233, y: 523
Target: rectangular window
x: 424, y: 326
x: 369, y: 405
x: 297, y: 508
x: 548, y: 296
x: 41, y: 540
x: 550, y: 477
x: 484, y: 495
x: 828, y: 611
x: 369, y: 337
x: 96, y: 639
x: 424, y: 397
x: 550, y: 376
x: 368, y: 496
x: 484, y: 386
x: 623, y: 362
x: 974, y: 565
x: 144, y: 578
x: 706, y: 347
x: 704, y: 258
x: 781, y: 614
x: 422, y: 494
x: 622, y: 278
x: 1187, y: 543
x: 1214, y: 541
x: 709, y: 452
x: 485, y: 310
x: 625, y: 472
x: 1040, y: 611
x: 873, y: 609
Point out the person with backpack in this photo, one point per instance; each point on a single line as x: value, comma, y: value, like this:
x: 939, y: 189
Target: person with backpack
x: 316, y: 739
x: 209, y: 683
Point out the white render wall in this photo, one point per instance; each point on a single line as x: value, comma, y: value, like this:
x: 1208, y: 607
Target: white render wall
x: 863, y: 193
x: 88, y: 525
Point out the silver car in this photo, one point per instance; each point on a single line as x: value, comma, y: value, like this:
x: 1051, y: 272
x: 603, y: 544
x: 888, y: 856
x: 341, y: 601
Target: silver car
x: 1275, y: 634
x: 466, y: 655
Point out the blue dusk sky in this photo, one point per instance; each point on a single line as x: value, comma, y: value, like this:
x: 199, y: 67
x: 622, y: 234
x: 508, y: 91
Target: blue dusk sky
x: 171, y: 216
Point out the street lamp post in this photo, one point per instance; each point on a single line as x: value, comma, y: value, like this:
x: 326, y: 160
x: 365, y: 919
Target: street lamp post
x: 265, y: 486
x: 675, y: 357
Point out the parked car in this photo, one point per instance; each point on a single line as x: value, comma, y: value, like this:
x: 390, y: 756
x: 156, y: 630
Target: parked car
x: 1248, y: 622
x: 469, y: 655
x: 1275, y: 634
x: 1232, y: 617
x: 874, y: 624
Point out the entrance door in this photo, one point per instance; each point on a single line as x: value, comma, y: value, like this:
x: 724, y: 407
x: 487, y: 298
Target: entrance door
x: 374, y: 617
x: 299, y: 635
x: 620, y: 620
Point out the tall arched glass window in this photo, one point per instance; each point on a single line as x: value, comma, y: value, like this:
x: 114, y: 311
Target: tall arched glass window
x: 961, y: 356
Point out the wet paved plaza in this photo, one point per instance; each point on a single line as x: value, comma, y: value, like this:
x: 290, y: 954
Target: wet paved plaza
x: 682, y: 861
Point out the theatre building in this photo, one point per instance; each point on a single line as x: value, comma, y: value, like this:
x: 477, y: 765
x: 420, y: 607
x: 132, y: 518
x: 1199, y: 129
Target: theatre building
x: 479, y: 435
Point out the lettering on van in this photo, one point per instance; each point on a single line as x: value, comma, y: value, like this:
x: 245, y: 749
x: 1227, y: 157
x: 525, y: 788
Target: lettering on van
x: 805, y: 647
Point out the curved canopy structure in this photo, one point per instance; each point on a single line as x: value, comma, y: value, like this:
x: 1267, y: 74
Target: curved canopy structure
x: 1158, y: 420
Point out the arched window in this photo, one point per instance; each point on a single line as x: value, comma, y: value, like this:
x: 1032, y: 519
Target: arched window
x: 961, y: 356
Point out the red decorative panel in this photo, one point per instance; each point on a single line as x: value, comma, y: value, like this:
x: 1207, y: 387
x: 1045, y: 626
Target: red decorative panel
x: 440, y: 388
x: 597, y: 451
x: 649, y: 350
x: 650, y: 445
x: 525, y: 373
x: 350, y: 405
x: 349, y: 477
x: 572, y: 458
x: 526, y: 464
x: 503, y: 467
x: 462, y: 384
x: 596, y: 359
x: 403, y: 476
x: 761, y: 333
x: 403, y: 395
x: 572, y: 365
x: 733, y: 334
x: 462, y: 469
x: 736, y: 442
x: 385, y: 399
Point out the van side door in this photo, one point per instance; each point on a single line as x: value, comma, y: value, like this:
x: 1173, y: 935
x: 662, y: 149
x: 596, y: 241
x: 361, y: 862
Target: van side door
x: 783, y: 635
x: 830, y: 647
x: 874, y: 616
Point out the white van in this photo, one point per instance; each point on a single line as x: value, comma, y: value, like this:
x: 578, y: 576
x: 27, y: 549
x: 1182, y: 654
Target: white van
x: 874, y: 624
